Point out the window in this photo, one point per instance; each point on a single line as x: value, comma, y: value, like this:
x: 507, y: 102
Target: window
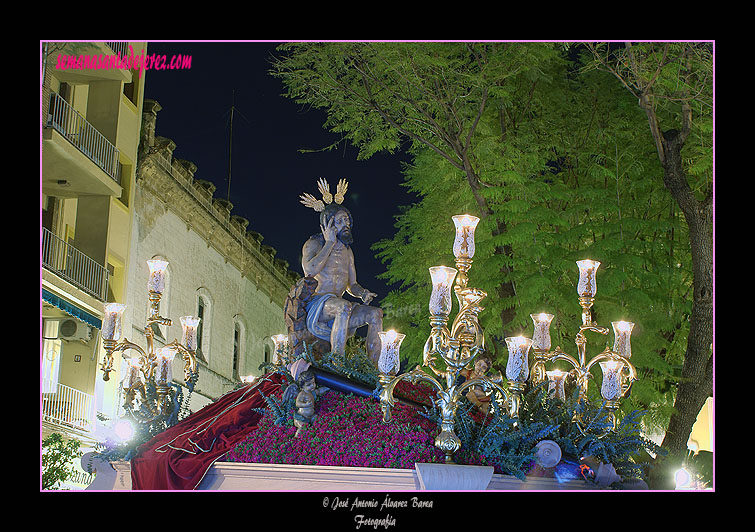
x: 267, y: 353
x: 131, y: 90
x: 236, y: 349
x: 204, y: 330
x: 240, y: 366
x: 65, y: 91
x: 200, y: 327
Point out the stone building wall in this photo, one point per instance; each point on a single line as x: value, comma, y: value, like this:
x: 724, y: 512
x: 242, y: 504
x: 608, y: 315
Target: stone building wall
x: 213, y: 256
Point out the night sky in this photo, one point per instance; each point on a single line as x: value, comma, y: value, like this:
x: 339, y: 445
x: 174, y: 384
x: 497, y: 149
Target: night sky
x: 268, y: 172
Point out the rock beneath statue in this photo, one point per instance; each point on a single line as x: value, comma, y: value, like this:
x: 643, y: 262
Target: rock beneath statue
x: 295, y: 316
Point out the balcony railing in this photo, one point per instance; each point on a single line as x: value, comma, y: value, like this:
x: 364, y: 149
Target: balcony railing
x: 72, y: 265
x: 69, y: 123
x: 120, y: 48
x: 66, y: 406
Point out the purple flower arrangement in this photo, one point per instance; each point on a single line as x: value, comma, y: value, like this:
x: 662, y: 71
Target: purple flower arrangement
x: 348, y: 431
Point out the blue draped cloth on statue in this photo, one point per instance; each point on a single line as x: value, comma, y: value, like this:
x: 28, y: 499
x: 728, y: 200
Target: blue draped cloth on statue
x: 314, y: 309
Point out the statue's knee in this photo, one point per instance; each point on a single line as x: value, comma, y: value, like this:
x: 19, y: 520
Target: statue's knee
x: 376, y: 316
x: 344, y: 308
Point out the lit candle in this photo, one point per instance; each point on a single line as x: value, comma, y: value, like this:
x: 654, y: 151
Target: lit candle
x: 611, y: 387
x: 622, y: 331
x: 541, y: 338
x: 390, y: 344
x: 157, y: 275
x: 517, y: 367
x: 587, y: 286
x: 134, y: 373
x: 164, y: 373
x: 556, y: 379
x: 112, y: 322
x: 440, y: 299
x: 189, y: 338
x: 464, y: 246
x: 281, y: 345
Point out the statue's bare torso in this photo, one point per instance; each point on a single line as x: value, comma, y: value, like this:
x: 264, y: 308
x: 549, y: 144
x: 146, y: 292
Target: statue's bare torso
x: 335, y: 275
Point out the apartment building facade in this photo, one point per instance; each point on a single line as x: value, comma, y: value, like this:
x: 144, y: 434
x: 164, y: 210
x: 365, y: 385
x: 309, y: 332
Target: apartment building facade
x: 89, y: 138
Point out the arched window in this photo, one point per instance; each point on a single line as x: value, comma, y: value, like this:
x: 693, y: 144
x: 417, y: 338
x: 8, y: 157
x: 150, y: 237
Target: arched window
x: 236, y: 349
x: 239, y: 347
x: 204, y: 312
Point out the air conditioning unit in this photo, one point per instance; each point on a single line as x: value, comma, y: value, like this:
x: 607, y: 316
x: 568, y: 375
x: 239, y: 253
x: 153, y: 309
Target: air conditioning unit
x: 74, y: 330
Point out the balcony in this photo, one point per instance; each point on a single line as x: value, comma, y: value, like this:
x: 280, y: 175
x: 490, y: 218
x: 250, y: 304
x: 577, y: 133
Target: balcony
x: 67, y: 407
x: 73, y: 266
x: 77, y: 159
x: 93, y: 50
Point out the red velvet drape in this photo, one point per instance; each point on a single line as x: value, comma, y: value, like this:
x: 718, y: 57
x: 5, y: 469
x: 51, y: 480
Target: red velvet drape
x: 179, y: 458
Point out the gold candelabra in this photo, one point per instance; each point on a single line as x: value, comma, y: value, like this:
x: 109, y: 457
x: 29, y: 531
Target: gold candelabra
x: 457, y: 347
x: 618, y: 372
x: 150, y: 372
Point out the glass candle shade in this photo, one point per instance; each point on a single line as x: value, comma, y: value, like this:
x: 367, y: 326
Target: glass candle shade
x: 189, y: 325
x: 464, y: 247
x: 587, y: 286
x: 156, y: 281
x: 164, y: 371
x: 390, y: 344
x: 517, y: 367
x: 112, y: 322
x: 281, y: 345
x: 556, y: 380
x: 440, y: 299
x: 611, y: 387
x: 541, y: 338
x: 134, y: 375
x: 622, y: 330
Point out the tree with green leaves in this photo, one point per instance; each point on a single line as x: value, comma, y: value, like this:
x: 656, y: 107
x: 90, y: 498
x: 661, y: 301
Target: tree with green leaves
x: 556, y: 162
x: 424, y: 96
x: 57, y: 460
x: 673, y: 84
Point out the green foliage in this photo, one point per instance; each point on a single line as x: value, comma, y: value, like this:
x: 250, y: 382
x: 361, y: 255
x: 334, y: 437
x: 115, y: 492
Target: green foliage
x: 282, y: 413
x: 510, y: 444
x: 57, y: 460
x: 354, y: 365
x: 557, y: 160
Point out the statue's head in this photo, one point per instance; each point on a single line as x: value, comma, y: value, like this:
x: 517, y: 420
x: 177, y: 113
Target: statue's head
x: 342, y: 221
x: 482, y: 364
x: 306, y: 380
x: 330, y: 208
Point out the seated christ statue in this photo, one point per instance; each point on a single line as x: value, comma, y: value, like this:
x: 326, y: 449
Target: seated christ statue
x: 328, y: 258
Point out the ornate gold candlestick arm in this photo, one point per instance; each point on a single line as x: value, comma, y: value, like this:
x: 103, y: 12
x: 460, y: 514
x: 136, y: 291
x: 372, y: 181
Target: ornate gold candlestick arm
x: 107, y: 362
x: 388, y: 383
x: 189, y: 358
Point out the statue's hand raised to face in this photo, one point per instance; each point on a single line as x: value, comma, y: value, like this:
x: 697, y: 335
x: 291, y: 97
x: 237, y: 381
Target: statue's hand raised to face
x: 329, y: 231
